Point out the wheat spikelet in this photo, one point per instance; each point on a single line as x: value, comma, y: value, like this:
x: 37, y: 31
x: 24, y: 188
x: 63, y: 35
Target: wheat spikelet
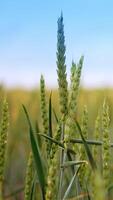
x: 51, y: 179
x: 29, y: 178
x: 44, y: 112
x: 106, y: 144
x: 75, y: 82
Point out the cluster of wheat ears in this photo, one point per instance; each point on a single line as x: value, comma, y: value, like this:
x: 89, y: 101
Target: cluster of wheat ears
x: 63, y: 162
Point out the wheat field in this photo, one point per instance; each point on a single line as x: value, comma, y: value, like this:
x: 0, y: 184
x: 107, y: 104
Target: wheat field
x: 57, y: 145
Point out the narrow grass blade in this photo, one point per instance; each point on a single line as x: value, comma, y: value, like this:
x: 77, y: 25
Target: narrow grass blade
x: 56, y: 142
x: 91, y: 142
x: 89, y: 154
x: 71, y: 184
x: 72, y: 163
x: 37, y: 156
x: 51, y: 139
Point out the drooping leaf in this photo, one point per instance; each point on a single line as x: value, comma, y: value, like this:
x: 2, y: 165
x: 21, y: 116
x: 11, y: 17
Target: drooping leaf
x: 56, y: 142
x: 89, y: 154
x: 36, y: 154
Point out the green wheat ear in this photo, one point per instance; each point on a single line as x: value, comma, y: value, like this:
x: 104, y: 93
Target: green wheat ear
x: 97, y: 135
x: 44, y: 113
x: 57, y: 137
x: 52, y: 178
x: 53, y: 165
x: 85, y: 123
x: 75, y: 82
x: 61, y: 67
x: 106, y: 144
x: 3, y: 142
x: 29, y: 178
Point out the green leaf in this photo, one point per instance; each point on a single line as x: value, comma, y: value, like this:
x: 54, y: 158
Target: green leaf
x: 56, y: 142
x: 91, y: 142
x: 89, y: 154
x: 37, y: 156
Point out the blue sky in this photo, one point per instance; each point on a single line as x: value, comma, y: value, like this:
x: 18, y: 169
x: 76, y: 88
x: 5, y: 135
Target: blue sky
x: 28, y: 40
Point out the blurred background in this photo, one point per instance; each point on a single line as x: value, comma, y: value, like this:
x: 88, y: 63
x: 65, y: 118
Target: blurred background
x: 28, y: 38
